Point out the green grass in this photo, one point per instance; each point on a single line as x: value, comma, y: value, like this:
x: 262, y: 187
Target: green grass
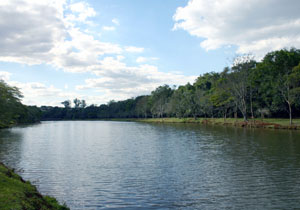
x: 17, y: 194
x: 253, y: 123
x: 6, y: 124
x: 190, y: 120
x: 285, y: 122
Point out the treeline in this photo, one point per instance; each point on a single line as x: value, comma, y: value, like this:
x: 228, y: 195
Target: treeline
x: 248, y: 89
x: 12, y: 111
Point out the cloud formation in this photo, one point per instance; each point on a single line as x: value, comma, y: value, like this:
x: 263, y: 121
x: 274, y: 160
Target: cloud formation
x: 30, y: 30
x: 253, y: 26
x: 80, y: 12
x: 123, y: 81
x: 56, y: 32
x: 115, y: 21
x: 36, y: 93
x: 35, y: 32
x: 142, y: 59
x: 133, y: 49
x: 108, y: 28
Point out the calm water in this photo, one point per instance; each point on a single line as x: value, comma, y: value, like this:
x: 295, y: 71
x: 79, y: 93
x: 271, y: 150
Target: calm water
x: 112, y: 165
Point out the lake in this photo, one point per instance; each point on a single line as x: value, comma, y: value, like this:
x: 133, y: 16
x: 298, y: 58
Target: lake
x: 129, y: 165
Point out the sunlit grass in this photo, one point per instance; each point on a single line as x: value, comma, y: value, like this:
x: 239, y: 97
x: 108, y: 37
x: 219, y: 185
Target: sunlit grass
x: 266, y: 123
x: 18, y: 194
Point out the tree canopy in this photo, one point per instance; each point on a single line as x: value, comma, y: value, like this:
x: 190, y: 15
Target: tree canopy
x: 12, y: 111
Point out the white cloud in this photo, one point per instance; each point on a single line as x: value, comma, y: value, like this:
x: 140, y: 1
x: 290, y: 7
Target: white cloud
x: 115, y: 21
x: 35, y: 32
x: 30, y: 29
x: 254, y: 26
x: 133, y: 49
x: 120, y: 81
x: 4, y: 75
x: 36, y: 93
x: 142, y: 59
x: 111, y: 28
x: 80, y: 12
x: 51, y: 32
x: 108, y: 28
x: 81, y: 53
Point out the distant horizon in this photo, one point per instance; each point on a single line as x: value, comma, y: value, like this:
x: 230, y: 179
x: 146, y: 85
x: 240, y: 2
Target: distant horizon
x: 100, y: 51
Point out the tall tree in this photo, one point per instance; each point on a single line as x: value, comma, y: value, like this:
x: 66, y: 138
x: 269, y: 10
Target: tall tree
x: 82, y: 104
x: 160, y: 97
x: 77, y: 102
x: 142, y: 106
x: 205, y: 86
x: 239, y: 82
x: 280, y: 65
x: 12, y: 111
x: 66, y: 103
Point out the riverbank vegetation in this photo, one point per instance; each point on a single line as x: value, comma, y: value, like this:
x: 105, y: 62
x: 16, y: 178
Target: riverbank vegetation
x: 248, y: 89
x: 15, y: 193
x: 12, y: 111
x: 271, y: 123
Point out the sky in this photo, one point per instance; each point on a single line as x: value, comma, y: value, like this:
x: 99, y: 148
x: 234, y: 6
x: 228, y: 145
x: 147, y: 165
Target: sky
x: 102, y: 50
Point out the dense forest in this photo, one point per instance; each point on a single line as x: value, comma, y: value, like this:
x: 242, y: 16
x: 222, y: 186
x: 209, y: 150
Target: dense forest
x: 248, y: 89
x: 12, y: 111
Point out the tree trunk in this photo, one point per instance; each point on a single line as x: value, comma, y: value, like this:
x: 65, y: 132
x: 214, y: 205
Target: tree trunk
x: 225, y: 114
x: 244, y: 107
x: 251, y: 107
x: 251, y: 103
x: 160, y: 111
x: 245, y: 118
x: 245, y: 115
x: 290, y: 112
x: 235, y: 112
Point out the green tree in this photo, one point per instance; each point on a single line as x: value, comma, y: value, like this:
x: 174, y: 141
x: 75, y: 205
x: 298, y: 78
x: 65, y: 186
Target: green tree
x: 77, y: 103
x: 12, y: 111
x: 204, y: 87
x: 160, y: 97
x: 279, y: 65
x: 82, y: 104
x: 66, y: 103
x: 239, y: 81
x: 142, y: 106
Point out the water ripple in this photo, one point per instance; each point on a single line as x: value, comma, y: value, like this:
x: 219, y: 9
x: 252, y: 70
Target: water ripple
x: 121, y: 165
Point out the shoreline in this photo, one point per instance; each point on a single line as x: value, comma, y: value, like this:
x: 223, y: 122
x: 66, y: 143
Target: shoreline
x: 270, y: 123
x: 267, y: 123
x: 16, y: 193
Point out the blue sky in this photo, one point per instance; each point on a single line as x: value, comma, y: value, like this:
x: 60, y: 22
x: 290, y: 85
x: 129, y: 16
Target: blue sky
x: 149, y: 24
x: 102, y: 50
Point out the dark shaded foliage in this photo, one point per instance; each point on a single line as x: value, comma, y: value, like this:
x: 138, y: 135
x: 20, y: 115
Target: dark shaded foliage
x: 12, y: 111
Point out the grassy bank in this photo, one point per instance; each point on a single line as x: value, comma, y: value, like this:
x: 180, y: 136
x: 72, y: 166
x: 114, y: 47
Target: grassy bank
x: 252, y: 123
x: 5, y: 124
x: 17, y: 194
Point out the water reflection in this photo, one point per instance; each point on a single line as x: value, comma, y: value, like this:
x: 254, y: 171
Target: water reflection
x: 94, y: 165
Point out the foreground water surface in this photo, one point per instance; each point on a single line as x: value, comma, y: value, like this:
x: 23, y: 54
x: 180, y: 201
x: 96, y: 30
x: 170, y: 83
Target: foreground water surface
x: 112, y: 165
